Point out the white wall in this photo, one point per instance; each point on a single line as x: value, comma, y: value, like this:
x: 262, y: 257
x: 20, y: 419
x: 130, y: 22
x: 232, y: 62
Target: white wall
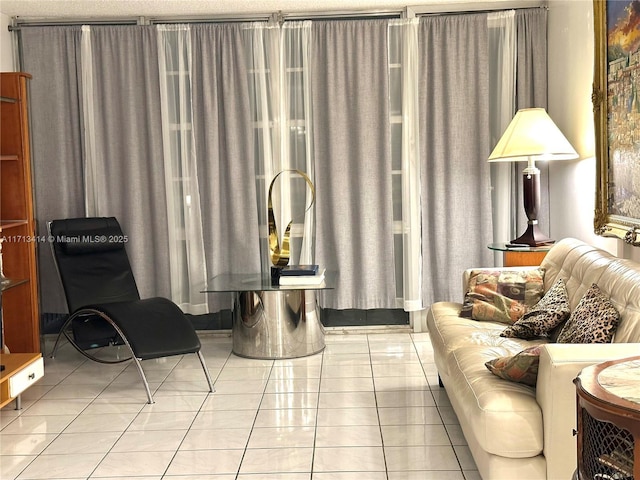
x: 6, y: 45
x: 573, y: 183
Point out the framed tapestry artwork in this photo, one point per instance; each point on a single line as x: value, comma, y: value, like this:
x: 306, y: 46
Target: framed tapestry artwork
x: 616, y: 106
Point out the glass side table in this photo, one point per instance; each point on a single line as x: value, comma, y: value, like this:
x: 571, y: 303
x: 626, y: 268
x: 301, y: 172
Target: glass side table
x: 520, y: 256
x: 272, y: 321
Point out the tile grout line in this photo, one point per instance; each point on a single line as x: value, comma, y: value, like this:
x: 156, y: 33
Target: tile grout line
x: 204, y: 401
x: 255, y: 417
x: 375, y: 396
x: 315, y: 427
x: 110, y: 450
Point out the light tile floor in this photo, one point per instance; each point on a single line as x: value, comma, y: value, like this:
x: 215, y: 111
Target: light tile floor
x: 367, y: 408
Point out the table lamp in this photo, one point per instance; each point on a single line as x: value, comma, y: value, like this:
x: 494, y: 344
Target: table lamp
x: 532, y: 136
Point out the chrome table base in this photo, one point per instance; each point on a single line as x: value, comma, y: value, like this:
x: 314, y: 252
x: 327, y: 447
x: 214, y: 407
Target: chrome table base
x: 276, y: 324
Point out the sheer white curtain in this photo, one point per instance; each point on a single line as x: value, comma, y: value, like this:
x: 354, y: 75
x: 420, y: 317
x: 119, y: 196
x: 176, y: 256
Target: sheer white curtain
x: 91, y: 183
x: 403, y: 55
x: 280, y: 87
x: 502, y: 77
x: 186, y: 247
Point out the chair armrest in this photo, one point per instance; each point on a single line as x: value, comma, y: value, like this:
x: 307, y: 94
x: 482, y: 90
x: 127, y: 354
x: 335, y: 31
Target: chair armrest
x: 560, y: 364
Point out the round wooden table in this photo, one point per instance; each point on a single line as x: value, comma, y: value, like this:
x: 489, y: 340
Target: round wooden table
x: 608, y: 411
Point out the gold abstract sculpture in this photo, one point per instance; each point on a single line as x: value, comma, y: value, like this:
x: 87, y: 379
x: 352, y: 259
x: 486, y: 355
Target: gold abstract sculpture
x: 280, y: 254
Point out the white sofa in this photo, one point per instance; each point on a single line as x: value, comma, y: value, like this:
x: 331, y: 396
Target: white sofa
x: 517, y: 431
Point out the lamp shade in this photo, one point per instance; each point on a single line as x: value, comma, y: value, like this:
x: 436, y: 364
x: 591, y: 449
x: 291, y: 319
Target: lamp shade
x: 532, y: 135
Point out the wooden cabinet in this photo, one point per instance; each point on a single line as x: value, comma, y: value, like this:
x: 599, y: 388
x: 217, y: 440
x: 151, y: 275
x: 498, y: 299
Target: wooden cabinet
x: 608, y: 418
x: 21, y: 370
x: 21, y: 360
x: 21, y: 318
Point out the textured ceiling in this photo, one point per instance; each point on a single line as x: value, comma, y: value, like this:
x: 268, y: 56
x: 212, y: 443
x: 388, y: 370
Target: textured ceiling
x: 202, y: 8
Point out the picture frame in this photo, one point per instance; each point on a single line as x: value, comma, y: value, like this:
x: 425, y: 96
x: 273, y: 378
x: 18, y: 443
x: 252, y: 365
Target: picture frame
x: 616, y: 107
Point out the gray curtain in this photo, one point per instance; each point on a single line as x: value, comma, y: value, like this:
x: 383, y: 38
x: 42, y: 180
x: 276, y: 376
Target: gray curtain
x: 354, y: 225
x: 531, y: 91
x: 129, y: 145
x: 56, y: 140
x: 351, y: 147
x: 128, y: 135
x: 224, y: 146
x: 531, y: 80
x: 455, y: 144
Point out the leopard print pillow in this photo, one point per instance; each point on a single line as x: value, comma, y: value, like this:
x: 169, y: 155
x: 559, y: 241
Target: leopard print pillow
x: 594, y: 321
x: 543, y: 317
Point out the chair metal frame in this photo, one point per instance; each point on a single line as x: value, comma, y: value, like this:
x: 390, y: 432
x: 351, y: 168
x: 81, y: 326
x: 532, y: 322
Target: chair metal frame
x: 93, y: 312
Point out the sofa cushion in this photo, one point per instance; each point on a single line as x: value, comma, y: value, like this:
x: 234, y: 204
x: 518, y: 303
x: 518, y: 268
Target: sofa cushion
x: 503, y: 417
x: 449, y: 332
x: 521, y: 367
x: 594, y: 320
x: 541, y: 319
x: 502, y: 295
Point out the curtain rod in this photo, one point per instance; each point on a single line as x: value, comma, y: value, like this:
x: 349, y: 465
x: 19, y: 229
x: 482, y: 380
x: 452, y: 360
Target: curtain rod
x: 439, y: 14
x: 50, y: 22
x: 442, y: 9
x: 478, y: 7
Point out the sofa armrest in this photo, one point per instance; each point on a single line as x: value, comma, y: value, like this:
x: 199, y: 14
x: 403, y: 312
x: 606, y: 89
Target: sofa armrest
x: 560, y: 364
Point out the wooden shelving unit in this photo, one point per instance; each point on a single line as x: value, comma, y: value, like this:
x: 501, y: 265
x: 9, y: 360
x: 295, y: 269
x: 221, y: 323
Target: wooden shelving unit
x: 19, y: 294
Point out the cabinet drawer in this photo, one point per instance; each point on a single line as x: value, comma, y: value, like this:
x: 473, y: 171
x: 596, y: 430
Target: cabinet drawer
x: 26, y: 377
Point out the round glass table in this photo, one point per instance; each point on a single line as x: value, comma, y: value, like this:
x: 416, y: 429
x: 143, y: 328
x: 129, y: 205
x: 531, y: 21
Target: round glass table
x: 521, y: 255
x: 272, y: 321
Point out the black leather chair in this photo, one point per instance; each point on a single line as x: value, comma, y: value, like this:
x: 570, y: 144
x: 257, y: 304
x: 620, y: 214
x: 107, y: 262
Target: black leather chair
x: 103, y: 300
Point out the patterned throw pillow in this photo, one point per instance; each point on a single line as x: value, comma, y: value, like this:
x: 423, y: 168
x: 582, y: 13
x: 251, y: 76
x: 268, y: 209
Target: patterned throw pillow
x: 594, y: 321
x: 544, y: 316
x: 502, y: 295
x: 521, y: 368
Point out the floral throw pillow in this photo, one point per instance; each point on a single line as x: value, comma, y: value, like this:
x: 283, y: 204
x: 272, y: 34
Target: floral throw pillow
x: 521, y: 368
x: 502, y: 295
x: 594, y: 320
x: 544, y: 316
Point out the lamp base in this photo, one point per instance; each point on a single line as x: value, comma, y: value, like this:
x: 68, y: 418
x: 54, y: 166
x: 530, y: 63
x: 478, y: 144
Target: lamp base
x: 532, y: 237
